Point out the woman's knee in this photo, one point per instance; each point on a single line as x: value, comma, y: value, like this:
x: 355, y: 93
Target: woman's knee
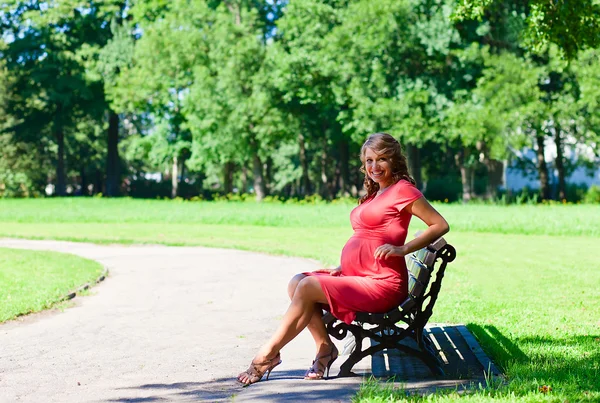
x: 293, y: 284
x: 308, y: 288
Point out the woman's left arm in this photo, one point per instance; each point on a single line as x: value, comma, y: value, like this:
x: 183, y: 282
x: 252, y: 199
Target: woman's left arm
x: 437, y: 226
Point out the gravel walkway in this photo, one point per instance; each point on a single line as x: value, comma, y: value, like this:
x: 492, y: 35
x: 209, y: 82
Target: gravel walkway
x: 168, y: 324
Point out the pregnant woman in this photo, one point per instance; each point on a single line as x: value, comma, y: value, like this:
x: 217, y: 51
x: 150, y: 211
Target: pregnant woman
x: 372, y: 276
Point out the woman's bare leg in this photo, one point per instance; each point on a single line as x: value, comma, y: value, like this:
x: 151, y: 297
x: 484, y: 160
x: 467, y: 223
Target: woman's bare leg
x: 307, y: 295
x: 299, y: 314
x: 301, y: 310
x: 315, y: 325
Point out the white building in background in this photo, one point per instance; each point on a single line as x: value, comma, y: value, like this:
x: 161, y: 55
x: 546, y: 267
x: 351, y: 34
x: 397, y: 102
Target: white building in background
x: 515, y: 179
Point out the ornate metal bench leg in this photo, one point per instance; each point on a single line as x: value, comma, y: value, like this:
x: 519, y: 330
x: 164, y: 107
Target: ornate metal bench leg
x: 356, y: 356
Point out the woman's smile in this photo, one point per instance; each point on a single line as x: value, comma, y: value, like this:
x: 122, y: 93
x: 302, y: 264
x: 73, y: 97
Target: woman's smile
x: 378, y: 168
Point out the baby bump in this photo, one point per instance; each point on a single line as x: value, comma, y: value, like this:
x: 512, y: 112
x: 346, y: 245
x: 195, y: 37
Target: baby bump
x: 358, y: 257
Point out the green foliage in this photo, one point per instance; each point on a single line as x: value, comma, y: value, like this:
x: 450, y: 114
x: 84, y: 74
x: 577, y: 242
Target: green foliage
x: 572, y: 25
x: 447, y: 189
x: 384, y: 43
x: 51, y: 55
x: 592, y: 196
x: 22, y: 167
x: 275, y: 98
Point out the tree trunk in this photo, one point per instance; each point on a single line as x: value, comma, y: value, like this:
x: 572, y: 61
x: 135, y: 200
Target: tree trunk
x: 466, y: 174
x: 325, y: 189
x: 180, y: 191
x: 560, y: 163
x: 182, y: 172
x: 228, y: 177
x: 413, y: 155
x: 83, y: 181
x: 244, y: 178
x: 112, y: 156
x: 344, y: 168
x: 61, y: 188
x: 268, y: 176
x: 235, y: 9
x: 542, y: 168
x: 98, y: 185
x: 259, y: 182
x: 174, y: 178
x: 495, y: 170
x: 305, y: 186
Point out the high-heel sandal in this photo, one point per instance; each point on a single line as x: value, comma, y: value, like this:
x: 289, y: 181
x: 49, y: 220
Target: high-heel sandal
x: 320, y: 369
x: 254, y: 372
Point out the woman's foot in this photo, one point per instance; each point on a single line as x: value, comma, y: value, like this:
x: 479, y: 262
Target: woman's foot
x: 257, y: 369
x: 321, y: 364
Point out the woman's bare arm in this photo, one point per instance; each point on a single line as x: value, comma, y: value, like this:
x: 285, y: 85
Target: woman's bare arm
x: 437, y: 226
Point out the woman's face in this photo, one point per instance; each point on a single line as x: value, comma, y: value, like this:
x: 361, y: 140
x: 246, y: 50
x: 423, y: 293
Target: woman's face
x: 378, y: 168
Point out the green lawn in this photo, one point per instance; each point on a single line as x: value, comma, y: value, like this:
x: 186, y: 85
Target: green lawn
x: 579, y: 220
x: 526, y: 279
x: 31, y: 281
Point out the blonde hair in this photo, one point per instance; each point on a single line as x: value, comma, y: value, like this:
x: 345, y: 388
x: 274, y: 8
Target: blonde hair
x: 384, y: 144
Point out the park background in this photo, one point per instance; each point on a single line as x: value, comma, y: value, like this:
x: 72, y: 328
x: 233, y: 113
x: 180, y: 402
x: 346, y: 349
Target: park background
x: 219, y: 104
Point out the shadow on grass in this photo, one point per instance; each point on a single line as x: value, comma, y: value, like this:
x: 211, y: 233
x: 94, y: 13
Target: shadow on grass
x: 570, y: 362
x: 285, y: 386
x: 502, y: 350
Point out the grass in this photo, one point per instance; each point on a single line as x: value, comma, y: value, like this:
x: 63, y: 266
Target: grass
x: 525, y: 280
x: 31, y: 281
x: 539, y: 220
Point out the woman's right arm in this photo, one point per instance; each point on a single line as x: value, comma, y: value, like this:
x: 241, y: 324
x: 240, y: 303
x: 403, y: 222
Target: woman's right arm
x: 332, y: 272
x: 437, y: 226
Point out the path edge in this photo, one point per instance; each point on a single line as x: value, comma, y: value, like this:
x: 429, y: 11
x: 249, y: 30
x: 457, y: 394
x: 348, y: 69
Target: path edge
x: 84, y: 287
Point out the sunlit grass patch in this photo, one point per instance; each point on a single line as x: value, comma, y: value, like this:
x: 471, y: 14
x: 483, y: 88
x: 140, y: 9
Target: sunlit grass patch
x: 31, y: 281
x: 575, y: 220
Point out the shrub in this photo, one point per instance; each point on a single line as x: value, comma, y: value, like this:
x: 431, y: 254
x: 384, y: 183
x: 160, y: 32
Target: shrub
x: 592, y: 196
x: 448, y: 189
x: 16, y: 184
x: 575, y: 192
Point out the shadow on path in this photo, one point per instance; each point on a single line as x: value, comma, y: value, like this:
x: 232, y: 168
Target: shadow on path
x: 283, y: 386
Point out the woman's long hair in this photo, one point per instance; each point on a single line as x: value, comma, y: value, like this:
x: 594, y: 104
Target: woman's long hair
x: 386, y: 145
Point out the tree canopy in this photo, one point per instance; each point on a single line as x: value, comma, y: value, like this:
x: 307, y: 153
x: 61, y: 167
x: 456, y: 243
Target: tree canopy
x: 572, y: 25
x: 154, y: 98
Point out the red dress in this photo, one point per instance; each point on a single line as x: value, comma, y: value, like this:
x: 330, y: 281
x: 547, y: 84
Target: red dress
x: 367, y: 284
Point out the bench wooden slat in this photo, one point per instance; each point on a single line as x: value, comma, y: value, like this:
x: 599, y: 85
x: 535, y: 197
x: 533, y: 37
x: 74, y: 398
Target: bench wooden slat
x: 418, y: 269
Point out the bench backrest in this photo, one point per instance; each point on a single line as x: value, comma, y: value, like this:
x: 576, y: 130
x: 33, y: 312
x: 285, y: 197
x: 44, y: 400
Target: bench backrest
x: 421, y: 267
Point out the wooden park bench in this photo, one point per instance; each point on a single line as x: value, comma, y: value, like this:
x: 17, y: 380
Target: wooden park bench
x: 387, y: 330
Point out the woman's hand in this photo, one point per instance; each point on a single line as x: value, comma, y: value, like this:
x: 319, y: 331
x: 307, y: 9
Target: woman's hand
x: 332, y: 272
x: 387, y: 250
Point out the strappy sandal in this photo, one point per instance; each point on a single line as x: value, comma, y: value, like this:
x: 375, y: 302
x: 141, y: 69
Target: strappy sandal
x: 318, y: 368
x: 254, y: 372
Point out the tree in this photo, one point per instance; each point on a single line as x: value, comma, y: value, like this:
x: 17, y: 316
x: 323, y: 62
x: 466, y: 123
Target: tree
x: 113, y: 57
x: 393, y: 71
x: 50, y: 82
x: 53, y: 46
x: 228, y: 113
x: 572, y: 25
x: 300, y: 72
x: 158, y: 76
